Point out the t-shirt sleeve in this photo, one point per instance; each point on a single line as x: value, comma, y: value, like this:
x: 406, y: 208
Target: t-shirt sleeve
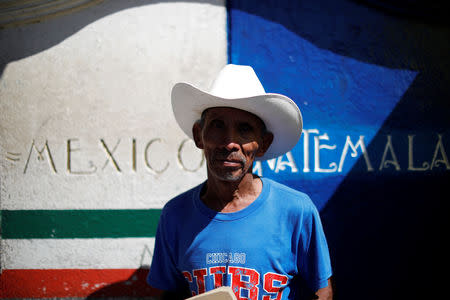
x: 314, y: 261
x: 163, y: 273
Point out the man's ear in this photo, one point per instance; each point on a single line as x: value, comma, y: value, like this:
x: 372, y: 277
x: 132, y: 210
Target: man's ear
x: 197, y: 134
x: 267, y: 140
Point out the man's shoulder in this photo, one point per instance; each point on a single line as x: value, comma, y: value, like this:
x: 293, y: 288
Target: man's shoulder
x: 286, y: 190
x: 181, y: 201
x: 289, y: 195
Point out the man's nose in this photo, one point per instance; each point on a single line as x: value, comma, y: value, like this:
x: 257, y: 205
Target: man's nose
x: 231, y: 140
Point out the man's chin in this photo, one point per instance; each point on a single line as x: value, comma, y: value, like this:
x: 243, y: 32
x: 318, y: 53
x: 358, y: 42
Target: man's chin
x: 228, y: 176
x: 231, y: 178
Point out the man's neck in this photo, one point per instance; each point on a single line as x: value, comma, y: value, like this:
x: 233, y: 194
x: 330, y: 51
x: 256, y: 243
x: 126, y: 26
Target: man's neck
x: 231, y: 196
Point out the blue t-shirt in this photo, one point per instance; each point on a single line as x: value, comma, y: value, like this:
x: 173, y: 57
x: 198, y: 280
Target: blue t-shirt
x: 257, y: 250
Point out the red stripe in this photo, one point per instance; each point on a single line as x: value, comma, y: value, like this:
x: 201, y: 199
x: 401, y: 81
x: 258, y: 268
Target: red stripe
x: 74, y: 283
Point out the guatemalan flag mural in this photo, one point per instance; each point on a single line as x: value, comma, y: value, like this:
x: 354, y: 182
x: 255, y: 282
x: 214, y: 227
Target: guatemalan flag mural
x: 373, y: 91
x: 372, y: 79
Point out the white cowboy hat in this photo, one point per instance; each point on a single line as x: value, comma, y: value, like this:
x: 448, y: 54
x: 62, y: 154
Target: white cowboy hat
x: 239, y: 87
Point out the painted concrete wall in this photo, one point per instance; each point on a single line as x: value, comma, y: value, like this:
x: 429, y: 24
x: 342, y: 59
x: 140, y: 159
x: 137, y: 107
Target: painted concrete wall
x: 372, y: 81
x: 89, y: 147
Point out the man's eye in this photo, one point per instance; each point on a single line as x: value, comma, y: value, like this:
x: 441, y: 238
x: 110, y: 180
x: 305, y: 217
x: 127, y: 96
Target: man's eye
x: 217, y: 124
x: 245, y: 128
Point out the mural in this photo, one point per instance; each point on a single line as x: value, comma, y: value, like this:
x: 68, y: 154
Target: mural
x: 89, y: 148
x: 373, y: 89
x: 88, y: 140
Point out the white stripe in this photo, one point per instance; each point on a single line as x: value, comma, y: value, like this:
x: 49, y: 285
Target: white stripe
x: 123, y: 253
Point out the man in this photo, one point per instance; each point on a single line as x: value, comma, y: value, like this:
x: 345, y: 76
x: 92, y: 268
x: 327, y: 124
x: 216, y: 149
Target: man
x: 236, y: 229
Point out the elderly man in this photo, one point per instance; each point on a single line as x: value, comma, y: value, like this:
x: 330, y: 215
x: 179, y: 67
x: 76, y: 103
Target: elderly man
x: 236, y: 229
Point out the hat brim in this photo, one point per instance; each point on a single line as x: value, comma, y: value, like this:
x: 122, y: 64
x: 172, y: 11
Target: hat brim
x: 279, y: 113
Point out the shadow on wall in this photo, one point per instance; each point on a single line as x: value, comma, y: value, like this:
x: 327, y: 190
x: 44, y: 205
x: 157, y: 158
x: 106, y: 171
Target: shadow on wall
x: 387, y: 231
x: 134, y: 287
x: 56, y: 25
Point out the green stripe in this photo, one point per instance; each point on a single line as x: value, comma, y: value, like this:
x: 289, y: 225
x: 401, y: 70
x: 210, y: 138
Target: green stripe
x: 63, y: 224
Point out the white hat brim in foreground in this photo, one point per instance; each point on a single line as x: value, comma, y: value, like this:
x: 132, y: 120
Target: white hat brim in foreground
x: 279, y: 113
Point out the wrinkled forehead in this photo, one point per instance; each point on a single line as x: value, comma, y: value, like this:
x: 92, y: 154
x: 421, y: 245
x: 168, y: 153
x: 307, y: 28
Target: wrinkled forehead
x: 222, y: 111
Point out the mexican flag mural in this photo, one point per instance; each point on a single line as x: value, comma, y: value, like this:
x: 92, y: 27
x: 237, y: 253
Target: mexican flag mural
x: 90, y: 151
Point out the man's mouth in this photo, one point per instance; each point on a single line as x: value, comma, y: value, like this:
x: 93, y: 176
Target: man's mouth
x: 229, y: 159
x: 231, y: 163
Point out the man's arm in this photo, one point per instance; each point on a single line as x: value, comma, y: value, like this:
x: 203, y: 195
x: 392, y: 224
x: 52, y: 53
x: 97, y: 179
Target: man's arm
x: 325, y: 293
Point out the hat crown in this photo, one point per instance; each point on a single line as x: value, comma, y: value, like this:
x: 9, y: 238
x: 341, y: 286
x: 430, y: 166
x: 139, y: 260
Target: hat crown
x: 235, y: 82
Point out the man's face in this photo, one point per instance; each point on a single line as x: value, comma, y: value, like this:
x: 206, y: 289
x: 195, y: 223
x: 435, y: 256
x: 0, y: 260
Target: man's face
x: 231, y: 139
